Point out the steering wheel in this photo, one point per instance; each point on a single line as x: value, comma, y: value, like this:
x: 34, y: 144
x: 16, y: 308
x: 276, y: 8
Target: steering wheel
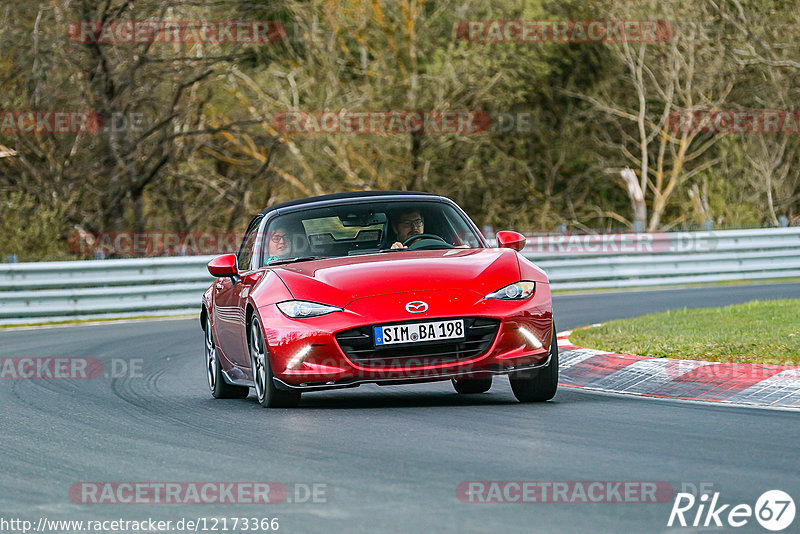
x: 426, y: 242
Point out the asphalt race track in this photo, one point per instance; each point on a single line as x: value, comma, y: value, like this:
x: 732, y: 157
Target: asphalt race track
x: 390, y: 457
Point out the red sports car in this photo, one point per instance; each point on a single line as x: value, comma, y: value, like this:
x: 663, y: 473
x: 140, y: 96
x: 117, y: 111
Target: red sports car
x: 380, y: 287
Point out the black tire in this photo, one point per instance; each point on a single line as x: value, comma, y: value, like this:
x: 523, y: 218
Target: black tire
x: 471, y: 385
x: 268, y: 395
x: 538, y: 385
x: 216, y: 382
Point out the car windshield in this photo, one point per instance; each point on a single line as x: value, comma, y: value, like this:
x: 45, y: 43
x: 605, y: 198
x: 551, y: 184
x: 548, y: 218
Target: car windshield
x: 366, y: 228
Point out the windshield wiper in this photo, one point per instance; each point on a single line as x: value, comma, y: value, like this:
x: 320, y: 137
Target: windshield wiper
x: 294, y: 260
x: 372, y: 251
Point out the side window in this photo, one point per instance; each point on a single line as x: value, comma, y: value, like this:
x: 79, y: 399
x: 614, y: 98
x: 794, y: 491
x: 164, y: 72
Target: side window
x: 246, y: 252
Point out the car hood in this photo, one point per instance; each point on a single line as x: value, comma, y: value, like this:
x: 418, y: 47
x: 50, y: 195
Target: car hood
x: 339, y: 281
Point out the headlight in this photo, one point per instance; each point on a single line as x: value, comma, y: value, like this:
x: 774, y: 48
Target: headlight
x: 515, y: 291
x: 303, y: 308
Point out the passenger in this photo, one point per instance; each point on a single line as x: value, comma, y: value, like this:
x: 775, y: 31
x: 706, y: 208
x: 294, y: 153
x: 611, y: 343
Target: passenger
x: 279, y: 244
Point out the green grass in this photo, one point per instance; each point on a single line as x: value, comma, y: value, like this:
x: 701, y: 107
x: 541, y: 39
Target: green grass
x: 755, y: 332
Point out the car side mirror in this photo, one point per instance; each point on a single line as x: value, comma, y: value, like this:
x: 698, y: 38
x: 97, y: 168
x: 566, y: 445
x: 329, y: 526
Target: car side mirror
x: 508, y: 239
x: 224, y: 265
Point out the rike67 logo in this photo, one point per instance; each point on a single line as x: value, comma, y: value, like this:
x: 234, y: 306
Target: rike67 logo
x: 774, y: 510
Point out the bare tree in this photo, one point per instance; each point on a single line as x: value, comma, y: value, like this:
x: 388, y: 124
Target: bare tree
x: 657, y: 80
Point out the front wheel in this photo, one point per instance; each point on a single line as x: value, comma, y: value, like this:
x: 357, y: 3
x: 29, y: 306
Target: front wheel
x: 539, y: 385
x: 268, y: 395
x: 216, y: 382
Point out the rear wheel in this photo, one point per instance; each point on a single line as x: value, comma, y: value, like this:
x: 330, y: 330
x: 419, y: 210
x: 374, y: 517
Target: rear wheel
x: 471, y: 385
x: 268, y: 395
x: 537, y: 385
x: 216, y: 382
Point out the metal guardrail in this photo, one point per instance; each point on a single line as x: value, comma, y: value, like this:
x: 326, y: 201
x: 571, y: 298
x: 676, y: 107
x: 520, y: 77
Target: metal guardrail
x: 66, y: 290
x: 57, y: 291
x: 642, y: 260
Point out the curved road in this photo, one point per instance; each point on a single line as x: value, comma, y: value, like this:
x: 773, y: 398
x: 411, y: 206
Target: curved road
x: 390, y: 457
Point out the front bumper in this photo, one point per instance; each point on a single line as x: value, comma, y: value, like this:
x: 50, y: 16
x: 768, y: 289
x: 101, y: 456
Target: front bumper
x: 306, y: 355
x: 352, y: 383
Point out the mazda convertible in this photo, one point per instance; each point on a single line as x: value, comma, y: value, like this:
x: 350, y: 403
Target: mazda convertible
x: 383, y: 287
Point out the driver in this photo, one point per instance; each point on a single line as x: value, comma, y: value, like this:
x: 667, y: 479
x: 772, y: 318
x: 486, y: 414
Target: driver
x: 407, y: 224
x: 279, y: 244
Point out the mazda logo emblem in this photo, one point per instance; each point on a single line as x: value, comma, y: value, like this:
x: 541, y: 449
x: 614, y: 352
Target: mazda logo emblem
x: 416, y: 306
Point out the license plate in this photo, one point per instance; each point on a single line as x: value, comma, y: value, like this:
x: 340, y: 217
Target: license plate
x: 419, y: 332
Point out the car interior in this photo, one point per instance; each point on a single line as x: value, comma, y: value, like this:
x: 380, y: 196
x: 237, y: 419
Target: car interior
x: 354, y: 230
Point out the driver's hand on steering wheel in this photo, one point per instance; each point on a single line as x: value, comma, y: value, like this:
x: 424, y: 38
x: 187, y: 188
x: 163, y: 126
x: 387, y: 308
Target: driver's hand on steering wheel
x: 397, y: 244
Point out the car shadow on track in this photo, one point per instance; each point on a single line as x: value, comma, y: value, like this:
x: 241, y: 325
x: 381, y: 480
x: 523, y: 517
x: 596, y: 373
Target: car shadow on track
x: 400, y: 397
x: 372, y: 396
x: 410, y: 400
x: 378, y: 400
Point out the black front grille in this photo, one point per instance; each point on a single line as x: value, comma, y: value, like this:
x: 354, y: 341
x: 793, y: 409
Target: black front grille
x: 359, y: 347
